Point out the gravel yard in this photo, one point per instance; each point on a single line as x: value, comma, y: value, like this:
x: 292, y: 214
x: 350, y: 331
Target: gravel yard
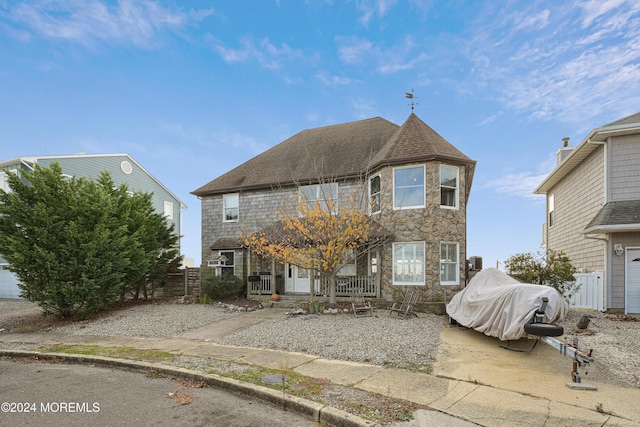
x: 375, y: 340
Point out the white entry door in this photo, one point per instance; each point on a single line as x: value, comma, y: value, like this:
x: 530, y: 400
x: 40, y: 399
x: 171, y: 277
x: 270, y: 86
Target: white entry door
x: 632, y: 282
x: 297, y: 279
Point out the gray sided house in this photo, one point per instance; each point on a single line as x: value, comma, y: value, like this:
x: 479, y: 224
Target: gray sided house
x: 123, y: 169
x: 593, y: 209
x: 408, y: 178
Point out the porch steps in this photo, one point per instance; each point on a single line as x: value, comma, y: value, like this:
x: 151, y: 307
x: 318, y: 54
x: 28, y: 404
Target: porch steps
x: 285, y: 301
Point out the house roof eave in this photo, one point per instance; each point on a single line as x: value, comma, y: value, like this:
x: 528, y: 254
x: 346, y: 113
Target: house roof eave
x: 269, y: 186
x: 612, y: 228
x: 595, y: 138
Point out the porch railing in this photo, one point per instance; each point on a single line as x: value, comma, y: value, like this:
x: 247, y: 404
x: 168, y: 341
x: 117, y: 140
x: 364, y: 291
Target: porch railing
x: 344, y: 285
x: 264, y: 286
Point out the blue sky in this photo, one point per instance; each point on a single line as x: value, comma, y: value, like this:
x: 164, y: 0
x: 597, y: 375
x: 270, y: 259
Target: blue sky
x: 191, y: 89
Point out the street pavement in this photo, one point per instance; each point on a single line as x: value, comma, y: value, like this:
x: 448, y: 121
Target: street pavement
x: 474, y: 382
x: 36, y: 393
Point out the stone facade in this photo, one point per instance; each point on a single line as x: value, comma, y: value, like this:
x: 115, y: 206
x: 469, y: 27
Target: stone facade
x: 349, y: 154
x: 431, y: 224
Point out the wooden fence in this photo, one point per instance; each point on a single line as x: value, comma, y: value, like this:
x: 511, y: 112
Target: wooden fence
x: 183, y: 282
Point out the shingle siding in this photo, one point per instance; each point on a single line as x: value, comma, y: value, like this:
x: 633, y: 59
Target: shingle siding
x: 578, y: 197
x: 257, y: 210
x: 348, y: 152
x: 625, y: 169
x: 597, y: 188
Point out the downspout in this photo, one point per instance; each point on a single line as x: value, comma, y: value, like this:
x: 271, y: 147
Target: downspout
x: 609, y: 246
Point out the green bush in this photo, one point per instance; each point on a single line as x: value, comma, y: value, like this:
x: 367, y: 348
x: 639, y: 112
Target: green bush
x: 552, y: 268
x: 222, y: 287
x: 76, y: 244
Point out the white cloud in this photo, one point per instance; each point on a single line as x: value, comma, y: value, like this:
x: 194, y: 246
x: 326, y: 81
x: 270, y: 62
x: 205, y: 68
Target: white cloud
x: 594, y: 9
x: 365, y: 108
x: 522, y: 184
x: 353, y: 50
x: 333, y: 80
x: 404, y: 55
x: 88, y: 21
x: 400, y: 57
x: 370, y: 8
x: 263, y: 51
x: 213, y: 140
x: 549, y: 61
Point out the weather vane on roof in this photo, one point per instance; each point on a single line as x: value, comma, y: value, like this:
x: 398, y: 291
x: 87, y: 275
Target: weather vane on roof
x: 411, y: 96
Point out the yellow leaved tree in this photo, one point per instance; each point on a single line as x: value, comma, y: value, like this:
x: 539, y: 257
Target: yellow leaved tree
x: 322, y: 236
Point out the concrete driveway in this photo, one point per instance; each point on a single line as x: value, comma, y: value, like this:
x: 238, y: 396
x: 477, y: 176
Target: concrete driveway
x: 542, y: 374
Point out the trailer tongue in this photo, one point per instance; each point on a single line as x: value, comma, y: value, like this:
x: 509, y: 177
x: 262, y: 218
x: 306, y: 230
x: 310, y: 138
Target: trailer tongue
x: 547, y: 332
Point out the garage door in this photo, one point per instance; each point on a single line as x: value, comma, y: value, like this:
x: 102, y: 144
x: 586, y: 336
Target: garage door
x: 632, y: 275
x: 8, y: 284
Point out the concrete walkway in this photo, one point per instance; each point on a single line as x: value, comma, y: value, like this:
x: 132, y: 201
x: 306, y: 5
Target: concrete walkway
x: 474, y: 380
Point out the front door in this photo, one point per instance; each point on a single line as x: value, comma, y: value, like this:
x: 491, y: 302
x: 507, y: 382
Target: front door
x: 297, y: 279
x: 632, y: 279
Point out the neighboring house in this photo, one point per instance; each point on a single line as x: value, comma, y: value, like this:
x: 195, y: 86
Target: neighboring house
x: 593, y: 209
x: 415, y: 183
x: 123, y: 169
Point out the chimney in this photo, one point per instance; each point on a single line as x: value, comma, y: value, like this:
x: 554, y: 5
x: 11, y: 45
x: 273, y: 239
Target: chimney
x: 565, y: 151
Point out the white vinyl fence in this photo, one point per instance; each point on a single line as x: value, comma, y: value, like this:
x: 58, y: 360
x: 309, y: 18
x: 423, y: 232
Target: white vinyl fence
x: 590, y: 293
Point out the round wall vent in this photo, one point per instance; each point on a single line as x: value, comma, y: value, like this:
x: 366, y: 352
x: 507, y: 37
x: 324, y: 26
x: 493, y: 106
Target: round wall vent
x: 126, y: 167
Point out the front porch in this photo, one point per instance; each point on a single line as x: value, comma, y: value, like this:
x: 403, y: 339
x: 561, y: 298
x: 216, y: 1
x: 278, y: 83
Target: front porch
x: 265, y: 283
x: 268, y: 277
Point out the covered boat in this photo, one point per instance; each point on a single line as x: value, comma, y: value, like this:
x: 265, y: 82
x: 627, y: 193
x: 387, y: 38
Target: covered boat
x: 498, y: 305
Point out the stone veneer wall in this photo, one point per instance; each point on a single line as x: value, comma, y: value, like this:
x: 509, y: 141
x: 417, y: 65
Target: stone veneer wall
x: 432, y: 225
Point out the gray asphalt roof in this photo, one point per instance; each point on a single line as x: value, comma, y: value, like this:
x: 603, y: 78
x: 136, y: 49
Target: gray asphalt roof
x: 621, y: 215
x: 338, y: 151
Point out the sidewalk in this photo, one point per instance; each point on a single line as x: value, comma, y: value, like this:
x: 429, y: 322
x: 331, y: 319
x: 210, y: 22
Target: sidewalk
x: 474, y: 381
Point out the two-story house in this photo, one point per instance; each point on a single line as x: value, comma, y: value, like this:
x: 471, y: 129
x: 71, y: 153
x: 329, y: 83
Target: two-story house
x: 123, y: 169
x: 593, y: 208
x: 416, y: 184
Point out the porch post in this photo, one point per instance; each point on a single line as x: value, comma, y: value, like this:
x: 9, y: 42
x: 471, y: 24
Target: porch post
x: 246, y: 277
x: 272, y: 282
x: 378, y: 274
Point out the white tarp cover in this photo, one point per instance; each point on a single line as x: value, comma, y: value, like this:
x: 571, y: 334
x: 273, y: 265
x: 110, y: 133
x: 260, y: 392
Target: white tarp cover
x: 499, y: 306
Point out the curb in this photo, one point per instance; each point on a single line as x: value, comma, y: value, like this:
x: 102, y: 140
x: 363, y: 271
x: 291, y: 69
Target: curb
x: 316, y: 411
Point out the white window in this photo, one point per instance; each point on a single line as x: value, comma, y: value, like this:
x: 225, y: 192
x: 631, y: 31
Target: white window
x: 408, y: 263
x: 408, y: 187
x: 4, y: 180
x: 350, y: 268
x: 228, y: 262
x: 324, y: 196
x: 231, y: 207
x: 374, y: 194
x: 551, y: 208
x: 373, y: 263
x: 449, y: 263
x: 168, y: 210
x: 449, y: 186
